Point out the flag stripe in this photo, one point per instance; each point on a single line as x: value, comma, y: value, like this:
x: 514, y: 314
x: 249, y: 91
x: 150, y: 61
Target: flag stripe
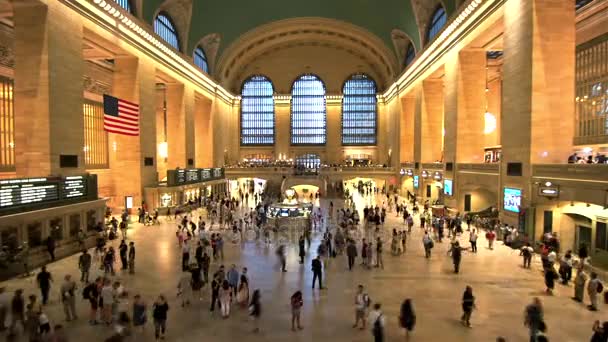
x: 120, y: 116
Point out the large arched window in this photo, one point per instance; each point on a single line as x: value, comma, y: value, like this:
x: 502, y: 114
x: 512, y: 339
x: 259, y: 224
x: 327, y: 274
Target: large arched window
x: 163, y: 26
x: 200, y: 59
x: 410, y: 54
x: 126, y: 4
x: 437, y: 23
x: 308, y: 116
x: 257, y: 112
x: 359, y: 114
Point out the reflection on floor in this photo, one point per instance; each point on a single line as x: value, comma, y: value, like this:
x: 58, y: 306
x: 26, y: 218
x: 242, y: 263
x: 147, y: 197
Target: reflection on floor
x: 502, y: 288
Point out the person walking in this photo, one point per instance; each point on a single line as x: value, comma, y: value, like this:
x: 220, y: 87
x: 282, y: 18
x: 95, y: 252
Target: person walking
x: 534, y: 318
x: 377, y: 322
x: 233, y: 279
x: 225, y: 297
x: 91, y: 293
x: 50, y: 247
x: 362, y: 302
x: 139, y: 314
x: 317, y: 272
x: 159, y: 314
x: 407, y: 317
x: 579, y: 286
x: 456, y: 252
x: 68, y: 298
x: 473, y: 240
x: 490, y: 236
x: 255, y: 310
x: 302, y: 249
x: 184, y: 287
x: 185, y: 256
x: 205, y: 263
x: 594, y: 287
x: 379, y: 258
x: 44, y: 279
x: 216, y: 283
x: 550, y: 277
x: 526, y: 252
x: 351, y: 253
x: 84, y: 264
x: 428, y: 244
x: 123, y: 250
x: 131, y: 257
x: 468, y: 304
x: 17, y: 313
x: 296, y: 306
x: 364, y: 253
x: 282, y: 257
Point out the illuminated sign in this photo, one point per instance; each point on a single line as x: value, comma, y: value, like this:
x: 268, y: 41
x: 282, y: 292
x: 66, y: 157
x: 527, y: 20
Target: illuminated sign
x: 416, y: 181
x: 548, y: 190
x: 447, y: 187
x: 191, y: 176
x: 512, y: 199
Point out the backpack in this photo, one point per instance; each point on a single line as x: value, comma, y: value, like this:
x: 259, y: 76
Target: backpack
x: 600, y: 287
x: 86, y: 292
x: 377, y: 328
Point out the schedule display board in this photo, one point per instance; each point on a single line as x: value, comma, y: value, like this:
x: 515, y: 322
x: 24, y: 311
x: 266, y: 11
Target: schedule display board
x: 29, y: 193
x: 190, y: 176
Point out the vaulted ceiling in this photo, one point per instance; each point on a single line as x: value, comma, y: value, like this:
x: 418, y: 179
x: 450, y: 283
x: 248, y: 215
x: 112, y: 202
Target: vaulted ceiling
x: 220, y: 25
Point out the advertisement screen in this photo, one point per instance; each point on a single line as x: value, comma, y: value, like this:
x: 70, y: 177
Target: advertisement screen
x: 512, y: 199
x: 447, y: 187
x: 415, y: 182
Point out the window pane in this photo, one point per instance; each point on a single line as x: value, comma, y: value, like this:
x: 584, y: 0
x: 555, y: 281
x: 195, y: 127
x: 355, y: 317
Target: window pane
x: 257, y: 112
x: 581, y: 3
x: 200, y: 59
x: 95, y: 137
x: 600, y: 235
x: 308, y: 116
x: 166, y: 30
x: 7, y: 125
x: 359, y: 111
x: 437, y: 23
x: 410, y: 54
x: 126, y: 4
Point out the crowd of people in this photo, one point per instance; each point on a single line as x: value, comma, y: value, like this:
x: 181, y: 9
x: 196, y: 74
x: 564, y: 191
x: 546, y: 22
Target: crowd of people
x: 200, y: 237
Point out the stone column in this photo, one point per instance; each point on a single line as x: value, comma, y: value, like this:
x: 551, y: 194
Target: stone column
x: 406, y: 129
x: 538, y: 88
x: 134, y: 82
x: 334, y: 146
x: 202, y: 135
x: 432, y: 121
x: 48, y: 91
x: 176, y: 125
x: 465, y: 105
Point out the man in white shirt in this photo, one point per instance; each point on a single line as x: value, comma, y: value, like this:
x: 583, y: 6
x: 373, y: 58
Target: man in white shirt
x: 473, y: 240
x: 361, y: 304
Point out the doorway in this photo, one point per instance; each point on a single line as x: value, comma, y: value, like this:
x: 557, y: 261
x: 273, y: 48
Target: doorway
x: 583, y: 235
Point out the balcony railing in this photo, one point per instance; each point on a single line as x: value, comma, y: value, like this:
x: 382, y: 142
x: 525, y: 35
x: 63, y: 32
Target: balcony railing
x: 577, y: 172
x: 432, y: 166
x: 489, y: 168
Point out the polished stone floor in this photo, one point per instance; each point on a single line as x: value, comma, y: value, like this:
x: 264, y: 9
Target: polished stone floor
x: 501, y: 286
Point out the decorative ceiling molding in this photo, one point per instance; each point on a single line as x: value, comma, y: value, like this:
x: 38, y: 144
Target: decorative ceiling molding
x: 307, y: 32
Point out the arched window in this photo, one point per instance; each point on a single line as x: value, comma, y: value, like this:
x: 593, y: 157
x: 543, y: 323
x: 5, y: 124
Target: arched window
x: 163, y: 26
x: 437, y: 23
x: 410, y: 54
x: 126, y: 4
x: 581, y: 3
x: 200, y: 59
x: 257, y: 112
x: 359, y: 114
x: 308, y: 116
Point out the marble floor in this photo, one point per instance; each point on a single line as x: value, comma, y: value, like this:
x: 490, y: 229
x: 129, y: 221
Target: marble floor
x: 501, y: 286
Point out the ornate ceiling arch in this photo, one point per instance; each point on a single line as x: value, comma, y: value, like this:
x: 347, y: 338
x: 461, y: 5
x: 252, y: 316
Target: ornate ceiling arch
x: 297, y: 45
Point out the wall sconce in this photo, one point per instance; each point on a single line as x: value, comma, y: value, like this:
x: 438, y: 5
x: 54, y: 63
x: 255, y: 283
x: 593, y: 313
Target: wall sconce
x: 437, y: 175
x: 425, y: 174
x: 163, y: 150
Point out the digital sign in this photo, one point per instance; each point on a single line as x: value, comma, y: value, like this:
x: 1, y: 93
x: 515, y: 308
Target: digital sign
x: 190, y: 176
x: 448, y: 187
x: 33, y: 192
x: 512, y: 199
x: 416, y: 181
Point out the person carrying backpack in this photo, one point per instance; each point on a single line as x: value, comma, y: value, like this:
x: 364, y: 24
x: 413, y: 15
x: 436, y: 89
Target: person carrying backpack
x: 377, y: 321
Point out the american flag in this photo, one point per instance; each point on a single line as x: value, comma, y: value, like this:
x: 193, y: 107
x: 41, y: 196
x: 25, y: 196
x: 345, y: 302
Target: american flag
x: 120, y: 116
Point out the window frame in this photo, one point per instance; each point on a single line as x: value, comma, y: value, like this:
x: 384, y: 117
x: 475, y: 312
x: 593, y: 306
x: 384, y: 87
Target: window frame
x: 291, y: 111
x: 356, y: 78
x: 127, y: 5
x: 202, y: 56
x: 438, y: 14
x: 169, y: 27
x: 249, y: 79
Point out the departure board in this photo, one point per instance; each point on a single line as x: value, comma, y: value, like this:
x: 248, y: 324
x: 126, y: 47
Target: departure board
x: 74, y: 187
x: 179, y: 177
x: 23, y: 191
